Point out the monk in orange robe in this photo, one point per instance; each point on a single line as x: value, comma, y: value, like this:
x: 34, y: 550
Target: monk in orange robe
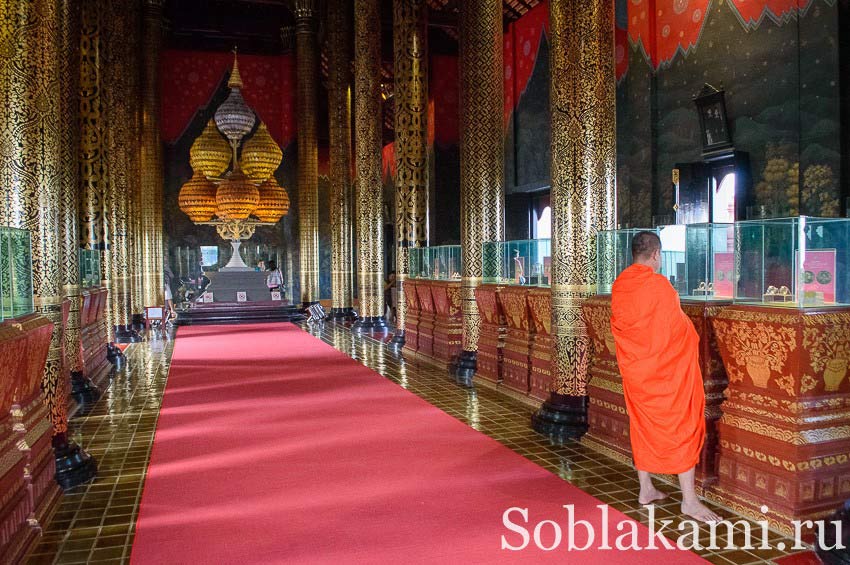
x: 658, y: 355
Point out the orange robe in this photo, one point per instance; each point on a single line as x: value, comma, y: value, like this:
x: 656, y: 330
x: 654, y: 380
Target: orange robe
x: 658, y: 355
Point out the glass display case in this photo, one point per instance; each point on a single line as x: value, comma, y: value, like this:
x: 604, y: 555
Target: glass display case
x: 15, y: 273
x: 707, y: 269
x: 793, y: 262
x: 520, y: 262
x: 441, y: 262
x: 89, y: 268
x: 613, y: 254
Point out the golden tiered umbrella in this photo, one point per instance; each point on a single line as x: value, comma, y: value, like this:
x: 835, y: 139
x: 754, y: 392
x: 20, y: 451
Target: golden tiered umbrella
x: 197, y: 198
x: 274, y: 201
x: 237, y: 196
x: 260, y: 155
x: 210, y: 153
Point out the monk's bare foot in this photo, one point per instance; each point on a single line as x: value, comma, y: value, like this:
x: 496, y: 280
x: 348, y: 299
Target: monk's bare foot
x: 699, y: 512
x: 651, y: 495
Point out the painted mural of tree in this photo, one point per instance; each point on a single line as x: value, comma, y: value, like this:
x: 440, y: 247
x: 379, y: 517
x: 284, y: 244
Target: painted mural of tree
x: 778, y: 192
x: 819, y: 191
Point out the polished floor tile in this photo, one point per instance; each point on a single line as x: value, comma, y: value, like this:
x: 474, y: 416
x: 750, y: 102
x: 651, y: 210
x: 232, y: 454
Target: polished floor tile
x: 95, y: 523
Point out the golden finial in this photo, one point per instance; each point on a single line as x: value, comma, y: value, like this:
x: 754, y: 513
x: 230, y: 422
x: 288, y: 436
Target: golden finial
x: 235, y: 80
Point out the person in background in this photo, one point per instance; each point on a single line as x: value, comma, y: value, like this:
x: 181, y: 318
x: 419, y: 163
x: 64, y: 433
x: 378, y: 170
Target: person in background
x: 274, y: 280
x: 389, y: 295
x: 168, y: 280
x: 261, y: 265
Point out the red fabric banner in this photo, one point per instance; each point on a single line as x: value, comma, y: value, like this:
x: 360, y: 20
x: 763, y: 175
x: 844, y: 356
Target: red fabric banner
x: 189, y: 79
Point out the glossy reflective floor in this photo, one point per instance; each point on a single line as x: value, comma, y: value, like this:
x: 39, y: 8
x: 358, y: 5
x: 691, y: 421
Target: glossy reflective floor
x: 95, y: 523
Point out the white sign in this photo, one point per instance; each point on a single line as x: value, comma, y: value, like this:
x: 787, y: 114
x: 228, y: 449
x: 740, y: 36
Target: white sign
x: 276, y: 295
x: 242, y: 296
x: 208, y: 297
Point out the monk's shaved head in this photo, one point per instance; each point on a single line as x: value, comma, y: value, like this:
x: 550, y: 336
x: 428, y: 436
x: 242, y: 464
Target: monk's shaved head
x: 644, y: 244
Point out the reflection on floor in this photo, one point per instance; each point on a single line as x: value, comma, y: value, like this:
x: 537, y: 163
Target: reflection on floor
x: 95, y: 523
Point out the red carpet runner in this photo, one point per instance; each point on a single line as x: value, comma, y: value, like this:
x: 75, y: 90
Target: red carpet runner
x: 273, y: 447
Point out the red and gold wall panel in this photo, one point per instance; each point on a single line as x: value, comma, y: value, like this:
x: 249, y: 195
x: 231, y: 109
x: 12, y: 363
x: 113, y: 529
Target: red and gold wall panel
x: 516, y: 368
x: 784, y: 436
x: 491, y: 341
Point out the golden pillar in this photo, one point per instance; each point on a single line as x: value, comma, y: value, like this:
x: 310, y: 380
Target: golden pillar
x: 482, y: 156
x: 92, y: 155
x: 69, y: 213
x: 410, y: 39
x: 582, y: 93
x: 307, y: 64
x: 339, y: 126
x: 134, y: 171
x: 152, y: 253
x: 119, y: 34
x: 32, y: 159
x: 367, y: 143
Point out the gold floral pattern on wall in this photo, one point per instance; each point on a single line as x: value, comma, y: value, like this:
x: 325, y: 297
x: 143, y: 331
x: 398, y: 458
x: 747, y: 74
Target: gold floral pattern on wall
x: 762, y: 350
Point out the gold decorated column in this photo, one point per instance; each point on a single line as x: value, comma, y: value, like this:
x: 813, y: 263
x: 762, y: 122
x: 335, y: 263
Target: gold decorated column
x: 119, y: 144
x: 152, y: 253
x: 582, y: 93
x: 92, y: 156
x: 31, y: 157
x: 367, y: 143
x: 133, y: 62
x: 339, y: 126
x: 410, y: 93
x: 307, y: 67
x: 69, y: 213
x: 482, y: 156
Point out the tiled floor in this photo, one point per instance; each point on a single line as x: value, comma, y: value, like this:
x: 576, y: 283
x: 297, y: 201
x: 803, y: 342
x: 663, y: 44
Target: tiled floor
x: 95, y: 523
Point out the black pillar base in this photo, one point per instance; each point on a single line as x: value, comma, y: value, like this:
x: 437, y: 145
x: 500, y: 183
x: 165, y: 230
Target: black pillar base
x: 467, y: 364
x: 115, y: 355
x: 126, y: 334
x: 83, y: 389
x: 835, y: 556
x: 561, y: 417
x: 138, y: 322
x: 74, y: 466
x: 398, y: 339
x: 370, y: 324
x: 344, y: 314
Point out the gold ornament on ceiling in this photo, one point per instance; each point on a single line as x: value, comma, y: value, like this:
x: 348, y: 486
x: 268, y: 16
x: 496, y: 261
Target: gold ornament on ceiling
x: 274, y: 201
x: 197, y: 198
x: 260, y: 155
x: 210, y: 153
x: 237, y: 197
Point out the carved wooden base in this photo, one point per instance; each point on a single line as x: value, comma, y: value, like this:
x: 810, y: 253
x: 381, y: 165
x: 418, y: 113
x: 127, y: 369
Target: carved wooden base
x: 540, y: 310
x: 93, y: 332
x: 448, y: 321
x: 784, y: 437
x: 491, y: 340
x: 425, y: 344
x: 28, y: 491
x: 411, y: 320
x: 516, y: 368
